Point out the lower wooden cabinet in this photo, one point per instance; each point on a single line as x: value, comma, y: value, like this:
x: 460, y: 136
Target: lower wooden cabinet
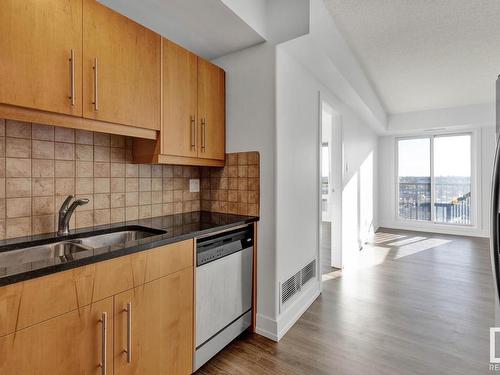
x: 154, y: 327
x: 71, y: 343
x: 147, y: 300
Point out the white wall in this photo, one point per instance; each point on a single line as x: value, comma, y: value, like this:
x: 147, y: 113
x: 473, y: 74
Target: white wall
x: 250, y: 126
x: 484, y: 151
x: 297, y: 168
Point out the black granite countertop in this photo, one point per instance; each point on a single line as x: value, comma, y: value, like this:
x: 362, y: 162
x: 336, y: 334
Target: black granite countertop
x: 178, y: 227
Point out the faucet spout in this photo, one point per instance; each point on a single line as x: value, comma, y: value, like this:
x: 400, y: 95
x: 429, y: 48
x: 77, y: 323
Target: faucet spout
x: 66, y: 212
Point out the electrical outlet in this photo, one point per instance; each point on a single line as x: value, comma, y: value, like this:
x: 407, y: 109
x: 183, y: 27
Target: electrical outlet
x: 194, y: 185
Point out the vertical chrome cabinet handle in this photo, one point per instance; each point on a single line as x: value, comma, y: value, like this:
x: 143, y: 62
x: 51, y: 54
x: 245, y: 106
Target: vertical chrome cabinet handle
x: 104, y: 350
x: 193, y: 132
x: 203, y: 134
x: 72, y: 77
x: 128, y: 350
x: 96, y: 99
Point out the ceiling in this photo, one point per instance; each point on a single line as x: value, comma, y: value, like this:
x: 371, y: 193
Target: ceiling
x: 208, y: 28
x: 424, y: 54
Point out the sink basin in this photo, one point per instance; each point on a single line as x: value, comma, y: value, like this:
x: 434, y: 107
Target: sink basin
x: 67, y: 250
x: 63, y: 250
x: 119, y: 237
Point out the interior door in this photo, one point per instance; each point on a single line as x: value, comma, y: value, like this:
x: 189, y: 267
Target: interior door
x: 71, y: 343
x: 211, y: 110
x: 121, y: 69
x: 37, y: 41
x: 180, y: 80
x: 154, y: 327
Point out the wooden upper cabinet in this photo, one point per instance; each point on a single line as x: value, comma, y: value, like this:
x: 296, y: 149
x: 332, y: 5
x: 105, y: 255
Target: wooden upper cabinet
x: 211, y: 110
x: 36, y: 40
x: 159, y: 339
x: 180, y: 100
x: 70, y: 343
x: 121, y: 69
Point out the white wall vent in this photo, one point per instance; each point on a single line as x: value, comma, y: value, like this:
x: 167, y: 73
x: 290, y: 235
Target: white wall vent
x: 293, y: 285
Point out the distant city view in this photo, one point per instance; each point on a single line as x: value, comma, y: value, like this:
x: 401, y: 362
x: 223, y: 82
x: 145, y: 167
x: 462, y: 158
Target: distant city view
x: 451, y: 202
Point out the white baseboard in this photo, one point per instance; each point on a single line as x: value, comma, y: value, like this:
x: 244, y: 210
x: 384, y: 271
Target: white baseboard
x: 443, y: 229
x: 267, y: 327
x: 293, y: 312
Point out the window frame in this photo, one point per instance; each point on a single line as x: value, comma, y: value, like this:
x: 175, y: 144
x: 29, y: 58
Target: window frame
x: 475, y: 170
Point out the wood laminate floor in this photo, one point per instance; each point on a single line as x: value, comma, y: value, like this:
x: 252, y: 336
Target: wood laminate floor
x: 424, y: 307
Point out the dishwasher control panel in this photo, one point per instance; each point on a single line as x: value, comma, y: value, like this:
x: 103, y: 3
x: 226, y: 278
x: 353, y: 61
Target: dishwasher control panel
x: 223, y: 244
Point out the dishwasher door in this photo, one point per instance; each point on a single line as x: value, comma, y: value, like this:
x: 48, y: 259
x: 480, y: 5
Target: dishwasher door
x: 223, y: 293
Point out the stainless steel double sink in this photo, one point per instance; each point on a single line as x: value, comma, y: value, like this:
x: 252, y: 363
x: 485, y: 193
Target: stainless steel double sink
x: 65, y: 250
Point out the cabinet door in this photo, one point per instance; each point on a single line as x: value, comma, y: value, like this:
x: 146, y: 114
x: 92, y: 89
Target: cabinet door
x: 179, y: 101
x: 211, y: 110
x: 71, y: 343
x: 121, y: 69
x: 161, y: 327
x: 36, y: 41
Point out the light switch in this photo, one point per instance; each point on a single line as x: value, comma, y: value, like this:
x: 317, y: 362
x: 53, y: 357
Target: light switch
x: 194, y: 185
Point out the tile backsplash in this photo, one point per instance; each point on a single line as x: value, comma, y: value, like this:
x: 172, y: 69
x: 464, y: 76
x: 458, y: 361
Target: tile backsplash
x: 40, y: 165
x: 234, y: 189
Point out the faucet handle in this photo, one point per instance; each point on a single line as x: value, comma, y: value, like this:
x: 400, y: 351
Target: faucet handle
x: 66, y: 203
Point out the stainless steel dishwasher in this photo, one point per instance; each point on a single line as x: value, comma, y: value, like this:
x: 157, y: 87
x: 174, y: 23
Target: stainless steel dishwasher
x: 224, y: 265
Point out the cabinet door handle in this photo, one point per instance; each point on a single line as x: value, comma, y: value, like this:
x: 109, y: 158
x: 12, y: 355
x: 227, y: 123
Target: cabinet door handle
x: 128, y: 350
x: 203, y: 134
x: 193, y: 132
x: 104, y: 350
x: 96, y: 91
x: 72, y: 77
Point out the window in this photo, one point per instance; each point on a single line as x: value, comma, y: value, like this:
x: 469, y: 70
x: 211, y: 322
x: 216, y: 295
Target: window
x: 434, y: 179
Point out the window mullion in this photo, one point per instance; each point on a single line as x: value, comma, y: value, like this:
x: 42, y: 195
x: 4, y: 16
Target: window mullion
x: 433, y: 213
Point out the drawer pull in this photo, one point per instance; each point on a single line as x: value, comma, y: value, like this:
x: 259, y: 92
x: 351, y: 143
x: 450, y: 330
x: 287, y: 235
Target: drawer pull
x: 128, y: 350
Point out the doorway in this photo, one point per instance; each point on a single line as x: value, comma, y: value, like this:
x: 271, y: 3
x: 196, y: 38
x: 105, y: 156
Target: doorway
x: 330, y: 191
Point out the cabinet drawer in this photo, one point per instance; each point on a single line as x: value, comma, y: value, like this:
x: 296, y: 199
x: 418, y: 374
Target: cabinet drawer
x: 33, y: 301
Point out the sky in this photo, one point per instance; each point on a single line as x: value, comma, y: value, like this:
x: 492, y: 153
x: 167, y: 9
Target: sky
x: 452, y: 156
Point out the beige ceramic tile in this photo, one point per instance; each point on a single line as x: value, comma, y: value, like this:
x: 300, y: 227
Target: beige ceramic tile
x: 2, y: 208
x: 18, y: 207
x: 65, y: 168
x: 144, y: 184
x: 102, y: 169
x: 102, y: 185
x: 131, y: 170
x: 42, y: 168
x: 43, y: 149
x: 168, y: 171
x: 18, y: 227
x: 101, y: 201
x: 117, y: 185
x: 18, y: 148
x: 131, y: 184
x: 144, y: 212
x: 117, y: 155
x: 144, y: 197
x: 43, y: 206
x: 117, y: 141
x: 65, y: 186
x: 117, y: 200
x: 156, y: 171
x: 84, y: 152
x: 132, y: 199
x: 156, y: 197
x: 132, y: 213
x: 102, y: 153
x: 43, y: 186
x: 168, y: 208
x: 18, y: 129
x: 156, y: 210
x: 117, y: 214
x: 84, y: 185
x: 2, y: 147
x: 42, y: 132
x: 18, y: 187
x: 84, y: 168
x: 101, y: 139
x: 117, y: 170
x: 144, y: 170
x: 64, y: 135
x: 64, y: 151
x: 84, y: 219
x: 168, y: 183
x: 2, y: 127
x: 43, y: 224
x: 168, y: 196
x: 84, y: 137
